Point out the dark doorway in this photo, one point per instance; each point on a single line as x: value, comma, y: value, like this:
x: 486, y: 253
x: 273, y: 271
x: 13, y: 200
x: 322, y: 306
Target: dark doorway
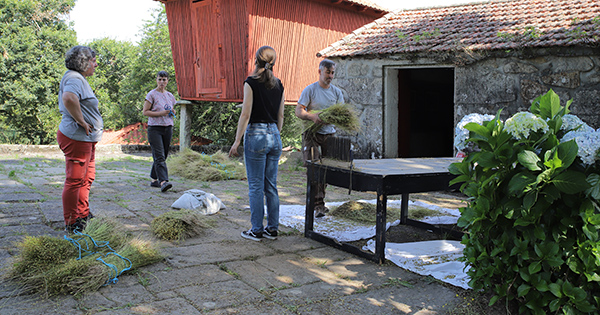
x: 426, y: 112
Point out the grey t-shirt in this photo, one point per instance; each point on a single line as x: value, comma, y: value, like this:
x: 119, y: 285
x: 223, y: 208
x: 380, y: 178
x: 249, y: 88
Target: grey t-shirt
x: 76, y: 83
x: 314, y: 97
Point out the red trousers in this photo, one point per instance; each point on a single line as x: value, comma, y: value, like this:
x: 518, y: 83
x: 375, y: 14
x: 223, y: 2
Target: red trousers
x: 81, y: 171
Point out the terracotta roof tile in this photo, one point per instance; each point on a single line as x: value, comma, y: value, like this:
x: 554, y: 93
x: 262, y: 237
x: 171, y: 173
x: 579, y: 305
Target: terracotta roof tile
x: 478, y: 26
x: 369, y: 4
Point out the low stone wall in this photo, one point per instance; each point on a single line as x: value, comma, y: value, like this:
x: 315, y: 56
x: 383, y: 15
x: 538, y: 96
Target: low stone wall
x: 513, y: 83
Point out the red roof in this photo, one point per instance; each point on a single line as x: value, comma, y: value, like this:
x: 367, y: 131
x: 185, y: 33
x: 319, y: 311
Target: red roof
x: 491, y: 25
x: 368, y: 3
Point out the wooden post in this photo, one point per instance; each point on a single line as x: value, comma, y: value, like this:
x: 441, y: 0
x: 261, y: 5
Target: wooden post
x: 185, y: 124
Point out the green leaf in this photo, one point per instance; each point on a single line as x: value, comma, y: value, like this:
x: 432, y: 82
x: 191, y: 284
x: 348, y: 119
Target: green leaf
x: 552, y: 161
x: 578, y: 294
x: 555, y: 261
x: 594, y: 219
x: 555, y: 288
x: 530, y: 160
x: 487, y: 159
x: 571, y: 182
x: 567, y: 153
x: 549, y: 105
x: 523, y: 289
x: 524, y: 275
x: 539, y: 233
x: 478, y: 129
x: 594, y: 181
x: 530, y: 199
x: 585, y: 307
x: 568, y: 289
x: 542, y: 286
x: 535, y: 267
x: 522, y: 222
x: 554, y: 305
x: 493, y: 300
x: 568, y: 310
x: 459, y: 179
x: 519, y: 182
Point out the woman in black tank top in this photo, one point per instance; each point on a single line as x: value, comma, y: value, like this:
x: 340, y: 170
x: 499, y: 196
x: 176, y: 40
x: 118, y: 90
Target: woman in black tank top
x: 259, y: 125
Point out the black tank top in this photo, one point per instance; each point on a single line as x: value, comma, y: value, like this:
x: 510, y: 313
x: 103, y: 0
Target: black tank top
x: 265, y: 103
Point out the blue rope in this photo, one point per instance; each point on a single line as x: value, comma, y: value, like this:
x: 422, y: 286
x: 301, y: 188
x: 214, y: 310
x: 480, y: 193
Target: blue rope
x: 88, y: 250
x: 114, y: 268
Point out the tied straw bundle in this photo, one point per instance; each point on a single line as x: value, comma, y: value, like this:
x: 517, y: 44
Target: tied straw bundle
x: 342, y: 115
x: 51, y: 266
x: 204, y: 167
x: 177, y: 225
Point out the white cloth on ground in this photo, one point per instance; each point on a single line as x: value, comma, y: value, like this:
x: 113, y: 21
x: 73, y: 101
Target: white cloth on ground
x: 196, y: 199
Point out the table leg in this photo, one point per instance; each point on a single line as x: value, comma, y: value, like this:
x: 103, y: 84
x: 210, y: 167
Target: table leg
x: 404, y: 209
x: 311, y: 188
x: 380, y: 227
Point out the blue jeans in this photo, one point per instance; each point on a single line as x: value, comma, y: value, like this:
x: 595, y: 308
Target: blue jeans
x: 262, y: 149
x: 159, y: 138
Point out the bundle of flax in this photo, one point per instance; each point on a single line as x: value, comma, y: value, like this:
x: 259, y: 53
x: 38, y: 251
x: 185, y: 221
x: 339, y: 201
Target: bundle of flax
x: 343, y: 116
x: 177, y: 225
x: 190, y: 164
x: 50, y: 265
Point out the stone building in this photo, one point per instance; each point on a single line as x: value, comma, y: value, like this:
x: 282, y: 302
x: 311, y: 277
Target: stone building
x: 414, y: 74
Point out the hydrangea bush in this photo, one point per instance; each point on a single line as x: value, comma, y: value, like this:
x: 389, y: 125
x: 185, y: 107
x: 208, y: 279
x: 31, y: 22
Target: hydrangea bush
x: 533, y: 217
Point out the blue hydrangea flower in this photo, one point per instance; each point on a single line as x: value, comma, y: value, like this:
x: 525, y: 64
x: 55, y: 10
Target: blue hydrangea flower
x: 574, y: 123
x: 521, y: 124
x: 588, y: 143
x: 461, y: 134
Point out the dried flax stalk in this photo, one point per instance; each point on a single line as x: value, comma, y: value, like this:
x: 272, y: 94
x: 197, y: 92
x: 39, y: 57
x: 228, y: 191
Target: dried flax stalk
x: 343, y: 116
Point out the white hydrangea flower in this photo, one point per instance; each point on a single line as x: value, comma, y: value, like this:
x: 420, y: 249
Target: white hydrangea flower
x: 521, y: 124
x: 574, y: 123
x: 588, y: 143
x: 461, y: 134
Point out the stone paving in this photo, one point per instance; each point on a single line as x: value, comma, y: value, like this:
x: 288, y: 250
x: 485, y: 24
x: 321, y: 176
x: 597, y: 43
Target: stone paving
x: 215, y: 273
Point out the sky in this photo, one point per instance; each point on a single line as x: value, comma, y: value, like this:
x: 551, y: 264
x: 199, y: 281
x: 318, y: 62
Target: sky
x: 123, y: 19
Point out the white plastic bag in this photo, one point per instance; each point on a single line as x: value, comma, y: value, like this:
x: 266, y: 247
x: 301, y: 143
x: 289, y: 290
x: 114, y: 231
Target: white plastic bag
x: 196, y: 199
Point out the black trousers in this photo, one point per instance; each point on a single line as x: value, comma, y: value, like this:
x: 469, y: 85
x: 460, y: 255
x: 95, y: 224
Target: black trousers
x: 159, y: 138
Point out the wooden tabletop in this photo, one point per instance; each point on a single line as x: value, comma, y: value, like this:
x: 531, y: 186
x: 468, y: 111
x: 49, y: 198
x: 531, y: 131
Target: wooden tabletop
x: 398, y: 166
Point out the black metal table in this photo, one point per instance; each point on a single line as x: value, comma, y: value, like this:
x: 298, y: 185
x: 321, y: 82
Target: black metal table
x: 385, y: 177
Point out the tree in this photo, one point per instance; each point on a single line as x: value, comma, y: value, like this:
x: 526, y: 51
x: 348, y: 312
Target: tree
x: 33, y: 40
x: 153, y: 55
x: 115, y: 60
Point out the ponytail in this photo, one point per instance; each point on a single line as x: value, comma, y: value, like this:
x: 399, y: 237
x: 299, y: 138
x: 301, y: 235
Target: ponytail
x: 263, y: 71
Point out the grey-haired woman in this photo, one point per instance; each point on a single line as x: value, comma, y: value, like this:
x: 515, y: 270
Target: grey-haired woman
x: 80, y: 129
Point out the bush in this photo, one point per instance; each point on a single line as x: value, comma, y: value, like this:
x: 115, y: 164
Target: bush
x: 533, y: 214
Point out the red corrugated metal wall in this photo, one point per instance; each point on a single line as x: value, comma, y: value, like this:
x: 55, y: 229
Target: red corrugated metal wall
x: 235, y: 42
x: 225, y: 42
x: 298, y: 30
x: 182, y: 46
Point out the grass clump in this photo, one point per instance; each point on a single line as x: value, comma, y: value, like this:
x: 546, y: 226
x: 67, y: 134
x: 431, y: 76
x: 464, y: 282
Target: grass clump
x: 180, y: 224
x: 38, y: 254
x: 108, y: 230
x: 418, y: 213
x: 364, y: 212
x: 203, y: 167
x: 343, y: 116
x: 50, y: 265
